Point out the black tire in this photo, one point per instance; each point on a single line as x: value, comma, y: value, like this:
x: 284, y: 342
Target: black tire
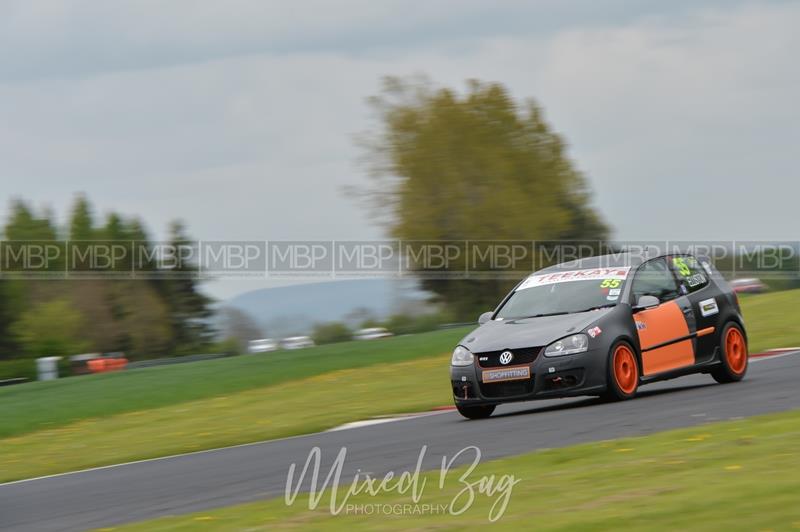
x: 476, y: 412
x: 616, y: 391
x: 724, y: 372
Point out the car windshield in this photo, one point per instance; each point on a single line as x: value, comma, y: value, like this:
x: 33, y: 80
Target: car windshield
x: 565, y: 292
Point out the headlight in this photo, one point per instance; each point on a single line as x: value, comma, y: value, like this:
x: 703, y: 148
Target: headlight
x: 461, y: 357
x: 577, y: 343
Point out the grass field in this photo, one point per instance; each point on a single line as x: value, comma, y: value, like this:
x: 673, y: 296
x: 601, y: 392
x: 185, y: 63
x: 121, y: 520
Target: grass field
x: 772, y: 319
x: 730, y: 476
x: 43, y: 405
x: 89, y: 421
x: 296, y: 407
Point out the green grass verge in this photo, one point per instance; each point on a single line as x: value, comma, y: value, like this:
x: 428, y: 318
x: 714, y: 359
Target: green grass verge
x: 287, y: 409
x: 730, y: 476
x: 771, y: 319
x: 41, y: 405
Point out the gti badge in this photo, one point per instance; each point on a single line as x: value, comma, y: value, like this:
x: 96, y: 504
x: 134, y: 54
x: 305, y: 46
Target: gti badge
x: 506, y: 357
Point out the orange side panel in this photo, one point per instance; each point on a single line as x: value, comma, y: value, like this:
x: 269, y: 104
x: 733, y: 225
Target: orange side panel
x: 669, y: 357
x: 659, y: 325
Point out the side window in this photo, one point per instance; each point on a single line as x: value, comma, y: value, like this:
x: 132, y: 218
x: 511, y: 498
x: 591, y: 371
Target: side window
x: 691, y: 274
x: 654, y: 278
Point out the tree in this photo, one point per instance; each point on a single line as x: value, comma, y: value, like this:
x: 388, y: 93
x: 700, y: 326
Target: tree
x: 141, y: 317
x: 478, y: 167
x: 81, y: 224
x: 329, y: 333
x: 23, y: 227
x: 9, y: 304
x: 189, y: 309
x: 51, y: 329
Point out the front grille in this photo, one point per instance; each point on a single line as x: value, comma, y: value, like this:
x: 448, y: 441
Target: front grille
x: 491, y: 359
x: 507, y: 389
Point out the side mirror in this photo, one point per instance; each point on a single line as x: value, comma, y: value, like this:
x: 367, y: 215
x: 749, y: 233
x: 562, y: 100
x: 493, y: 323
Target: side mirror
x: 483, y: 318
x: 646, y: 302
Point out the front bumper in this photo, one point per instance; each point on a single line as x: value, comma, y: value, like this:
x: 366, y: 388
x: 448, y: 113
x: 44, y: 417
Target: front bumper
x: 564, y: 376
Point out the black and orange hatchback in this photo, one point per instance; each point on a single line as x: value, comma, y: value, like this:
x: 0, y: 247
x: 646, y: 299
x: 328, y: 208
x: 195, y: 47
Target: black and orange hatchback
x: 601, y: 326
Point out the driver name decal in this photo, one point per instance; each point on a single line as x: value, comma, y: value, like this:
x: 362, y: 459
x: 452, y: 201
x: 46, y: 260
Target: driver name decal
x: 592, y: 274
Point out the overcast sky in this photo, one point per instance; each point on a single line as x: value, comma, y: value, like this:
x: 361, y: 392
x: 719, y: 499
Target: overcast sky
x: 238, y: 117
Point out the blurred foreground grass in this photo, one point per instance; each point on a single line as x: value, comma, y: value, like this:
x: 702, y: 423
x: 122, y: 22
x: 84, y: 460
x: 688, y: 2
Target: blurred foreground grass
x: 40, y: 405
x: 287, y: 409
x: 739, y: 475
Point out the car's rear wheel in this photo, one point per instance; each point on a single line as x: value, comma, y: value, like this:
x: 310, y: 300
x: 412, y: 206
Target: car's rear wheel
x: 475, y: 412
x: 734, y: 355
x: 623, y: 372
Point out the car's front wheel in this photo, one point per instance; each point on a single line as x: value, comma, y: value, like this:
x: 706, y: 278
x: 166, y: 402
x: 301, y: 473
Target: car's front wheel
x: 734, y: 355
x: 623, y: 372
x: 475, y: 412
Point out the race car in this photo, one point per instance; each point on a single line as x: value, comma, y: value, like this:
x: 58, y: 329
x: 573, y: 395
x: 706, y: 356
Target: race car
x: 601, y: 326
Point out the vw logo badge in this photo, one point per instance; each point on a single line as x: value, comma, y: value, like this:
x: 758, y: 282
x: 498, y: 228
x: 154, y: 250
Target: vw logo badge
x: 506, y: 357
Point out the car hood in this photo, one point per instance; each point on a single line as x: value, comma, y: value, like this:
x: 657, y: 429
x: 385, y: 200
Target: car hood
x: 529, y: 332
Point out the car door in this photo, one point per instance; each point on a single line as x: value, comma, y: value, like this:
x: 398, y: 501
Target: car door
x: 693, y: 280
x: 664, y: 331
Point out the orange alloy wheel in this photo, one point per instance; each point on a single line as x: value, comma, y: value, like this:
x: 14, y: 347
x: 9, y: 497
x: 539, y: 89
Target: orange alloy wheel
x: 735, y: 350
x: 626, y: 372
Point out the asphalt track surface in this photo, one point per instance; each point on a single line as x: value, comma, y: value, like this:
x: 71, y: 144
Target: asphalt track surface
x: 137, y: 491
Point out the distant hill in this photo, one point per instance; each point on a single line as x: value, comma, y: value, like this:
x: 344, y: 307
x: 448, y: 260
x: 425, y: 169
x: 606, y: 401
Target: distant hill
x: 294, y: 309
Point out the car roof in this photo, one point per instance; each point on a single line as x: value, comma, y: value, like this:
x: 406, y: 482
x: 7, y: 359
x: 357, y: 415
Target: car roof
x: 613, y: 260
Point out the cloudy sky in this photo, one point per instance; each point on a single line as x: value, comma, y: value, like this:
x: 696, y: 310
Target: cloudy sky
x: 238, y: 117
